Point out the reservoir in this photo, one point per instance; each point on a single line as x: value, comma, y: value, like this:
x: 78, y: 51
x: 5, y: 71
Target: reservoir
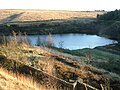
x: 72, y: 41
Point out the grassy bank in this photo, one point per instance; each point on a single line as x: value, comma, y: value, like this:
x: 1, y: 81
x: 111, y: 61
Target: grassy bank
x: 104, y: 57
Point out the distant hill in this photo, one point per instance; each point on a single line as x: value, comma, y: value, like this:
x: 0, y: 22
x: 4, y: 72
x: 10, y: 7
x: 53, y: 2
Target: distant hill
x: 37, y: 15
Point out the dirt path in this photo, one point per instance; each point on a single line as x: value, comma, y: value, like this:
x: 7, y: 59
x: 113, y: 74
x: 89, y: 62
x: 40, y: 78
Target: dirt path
x: 11, y: 18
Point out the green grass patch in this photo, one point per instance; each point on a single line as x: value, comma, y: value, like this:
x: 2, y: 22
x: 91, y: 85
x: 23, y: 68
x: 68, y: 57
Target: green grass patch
x: 100, y: 59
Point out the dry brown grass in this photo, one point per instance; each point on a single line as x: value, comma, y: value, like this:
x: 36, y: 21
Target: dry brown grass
x: 11, y: 81
x: 8, y: 82
x: 36, y: 15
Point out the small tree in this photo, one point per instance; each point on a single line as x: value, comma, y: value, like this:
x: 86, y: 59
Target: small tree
x: 61, y: 44
x: 49, y: 40
x: 26, y: 39
x: 14, y: 40
x: 89, y: 55
x: 39, y: 42
x: 19, y: 38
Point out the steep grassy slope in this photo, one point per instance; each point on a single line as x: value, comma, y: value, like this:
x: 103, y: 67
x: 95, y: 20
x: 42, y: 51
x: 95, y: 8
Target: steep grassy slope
x: 55, y: 64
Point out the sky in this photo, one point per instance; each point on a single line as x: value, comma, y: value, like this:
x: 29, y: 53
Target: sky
x: 74, y: 5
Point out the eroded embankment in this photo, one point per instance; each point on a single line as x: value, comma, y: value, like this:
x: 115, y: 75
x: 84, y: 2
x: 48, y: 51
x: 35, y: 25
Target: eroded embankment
x: 37, y: 78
